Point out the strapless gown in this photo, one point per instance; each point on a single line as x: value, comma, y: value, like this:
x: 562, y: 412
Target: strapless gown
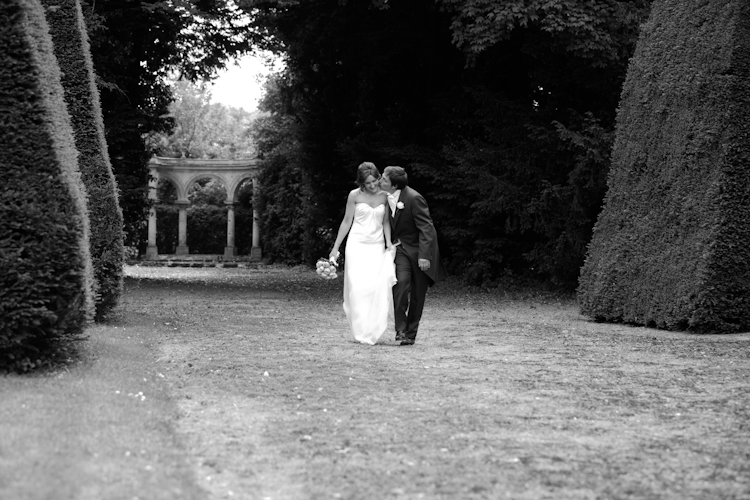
x: 369, y: 275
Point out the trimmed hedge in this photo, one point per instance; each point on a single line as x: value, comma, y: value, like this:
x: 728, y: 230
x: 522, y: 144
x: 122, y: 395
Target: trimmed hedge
x: 671, y: 248
x: 73, y: 53
x: 46, y: 278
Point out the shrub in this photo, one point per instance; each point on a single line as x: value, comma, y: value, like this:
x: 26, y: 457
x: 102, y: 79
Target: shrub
x: 670, y: 248
x: 71, y: 47
x: 46, y: 278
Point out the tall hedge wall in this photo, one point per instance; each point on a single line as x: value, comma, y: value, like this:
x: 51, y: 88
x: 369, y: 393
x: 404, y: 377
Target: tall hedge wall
x: 671, y: 247
x: 73, y: 53
x: 46, y: 278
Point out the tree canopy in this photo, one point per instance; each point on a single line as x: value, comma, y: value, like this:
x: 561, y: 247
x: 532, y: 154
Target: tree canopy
x: 138, y: 47
x: 202, y: 129
x: 501, y: 111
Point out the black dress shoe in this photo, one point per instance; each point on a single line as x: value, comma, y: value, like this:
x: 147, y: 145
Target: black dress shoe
x: 400, y: 336
x: 407, y: 342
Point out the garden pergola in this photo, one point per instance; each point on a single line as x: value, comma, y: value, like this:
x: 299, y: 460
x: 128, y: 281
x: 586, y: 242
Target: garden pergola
x: 183, y: 173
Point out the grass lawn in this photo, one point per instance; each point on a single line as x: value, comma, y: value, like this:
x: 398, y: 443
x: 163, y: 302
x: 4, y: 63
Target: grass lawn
x: 239, y: 383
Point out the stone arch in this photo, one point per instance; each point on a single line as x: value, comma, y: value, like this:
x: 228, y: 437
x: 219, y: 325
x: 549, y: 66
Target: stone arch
x: 178, y: 184
x: 183, y: 173
x: 236, y: 186
x: 200, y: 176
x: 165, y: 179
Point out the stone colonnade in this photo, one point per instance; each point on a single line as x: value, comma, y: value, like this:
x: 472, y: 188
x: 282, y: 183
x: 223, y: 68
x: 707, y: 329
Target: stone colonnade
x: 183, y: 173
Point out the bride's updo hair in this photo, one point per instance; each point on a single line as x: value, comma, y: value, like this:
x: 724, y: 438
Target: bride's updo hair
x: 365, y: 170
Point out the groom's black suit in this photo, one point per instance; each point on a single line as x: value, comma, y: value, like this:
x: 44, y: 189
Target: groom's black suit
x: 412, y: 226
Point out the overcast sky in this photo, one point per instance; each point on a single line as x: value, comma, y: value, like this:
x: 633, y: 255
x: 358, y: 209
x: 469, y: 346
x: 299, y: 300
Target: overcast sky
x: 239, y: 86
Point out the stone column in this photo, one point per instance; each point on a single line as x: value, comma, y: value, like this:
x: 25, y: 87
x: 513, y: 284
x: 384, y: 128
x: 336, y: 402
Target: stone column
x: 230, y: 250
x: 152, y: 251
x: 255, y: 252
x: 182, y: 248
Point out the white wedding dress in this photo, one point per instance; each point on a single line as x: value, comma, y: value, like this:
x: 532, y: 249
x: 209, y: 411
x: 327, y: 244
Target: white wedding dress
x: 369, y: 275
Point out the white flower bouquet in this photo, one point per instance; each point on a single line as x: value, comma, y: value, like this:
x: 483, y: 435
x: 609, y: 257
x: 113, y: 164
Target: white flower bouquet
x: 326, y: 269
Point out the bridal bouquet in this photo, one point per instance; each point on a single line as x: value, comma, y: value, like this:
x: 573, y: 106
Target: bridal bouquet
x: 326, y: 269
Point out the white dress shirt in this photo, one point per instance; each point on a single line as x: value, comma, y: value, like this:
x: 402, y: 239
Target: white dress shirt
x: 393, y: 199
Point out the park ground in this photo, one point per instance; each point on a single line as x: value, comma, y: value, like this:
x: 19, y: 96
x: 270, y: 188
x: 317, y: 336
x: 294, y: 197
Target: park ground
x: 241, y: 383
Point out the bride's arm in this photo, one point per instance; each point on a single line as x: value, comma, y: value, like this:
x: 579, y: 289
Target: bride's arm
x: 346, y: 224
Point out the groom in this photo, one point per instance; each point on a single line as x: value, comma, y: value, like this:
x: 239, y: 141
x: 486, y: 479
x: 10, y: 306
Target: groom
x: 418, y: 263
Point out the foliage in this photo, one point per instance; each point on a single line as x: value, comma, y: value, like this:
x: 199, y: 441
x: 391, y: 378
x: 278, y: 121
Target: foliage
x: 670, y: 248
x: 286, y: 204
x: 202, y: 129
x: 71, y: 49
x: 207, y: 192
x: 46, y: 278
x: 595, y: 30
x: 501, y: 112
x: 137, y: 47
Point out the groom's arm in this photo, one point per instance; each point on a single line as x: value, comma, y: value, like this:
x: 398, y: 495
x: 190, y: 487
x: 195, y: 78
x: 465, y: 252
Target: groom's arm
x: 421, y: 214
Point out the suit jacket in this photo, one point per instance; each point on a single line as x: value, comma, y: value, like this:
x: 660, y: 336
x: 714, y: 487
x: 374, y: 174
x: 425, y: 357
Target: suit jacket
x: 412, y: 226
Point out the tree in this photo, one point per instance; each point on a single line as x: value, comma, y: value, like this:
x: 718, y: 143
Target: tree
x: 286, y: 202
x: 596, y: 30
x: 137, y: 47
x: 504, y: 125
x: 202, y: 129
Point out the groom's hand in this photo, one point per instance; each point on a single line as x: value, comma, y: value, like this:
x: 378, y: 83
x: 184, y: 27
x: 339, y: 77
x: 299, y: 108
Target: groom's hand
x: 424, y: 264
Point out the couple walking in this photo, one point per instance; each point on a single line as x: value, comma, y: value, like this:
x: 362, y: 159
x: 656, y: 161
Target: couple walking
x: 387, y: 222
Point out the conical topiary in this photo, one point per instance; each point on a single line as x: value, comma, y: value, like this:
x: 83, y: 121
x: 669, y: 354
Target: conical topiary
x: 46, y: 278
x: 671, y: 246
x: 73, y: 53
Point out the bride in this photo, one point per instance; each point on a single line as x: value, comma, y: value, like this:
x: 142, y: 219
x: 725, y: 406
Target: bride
x: 369, y: 271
